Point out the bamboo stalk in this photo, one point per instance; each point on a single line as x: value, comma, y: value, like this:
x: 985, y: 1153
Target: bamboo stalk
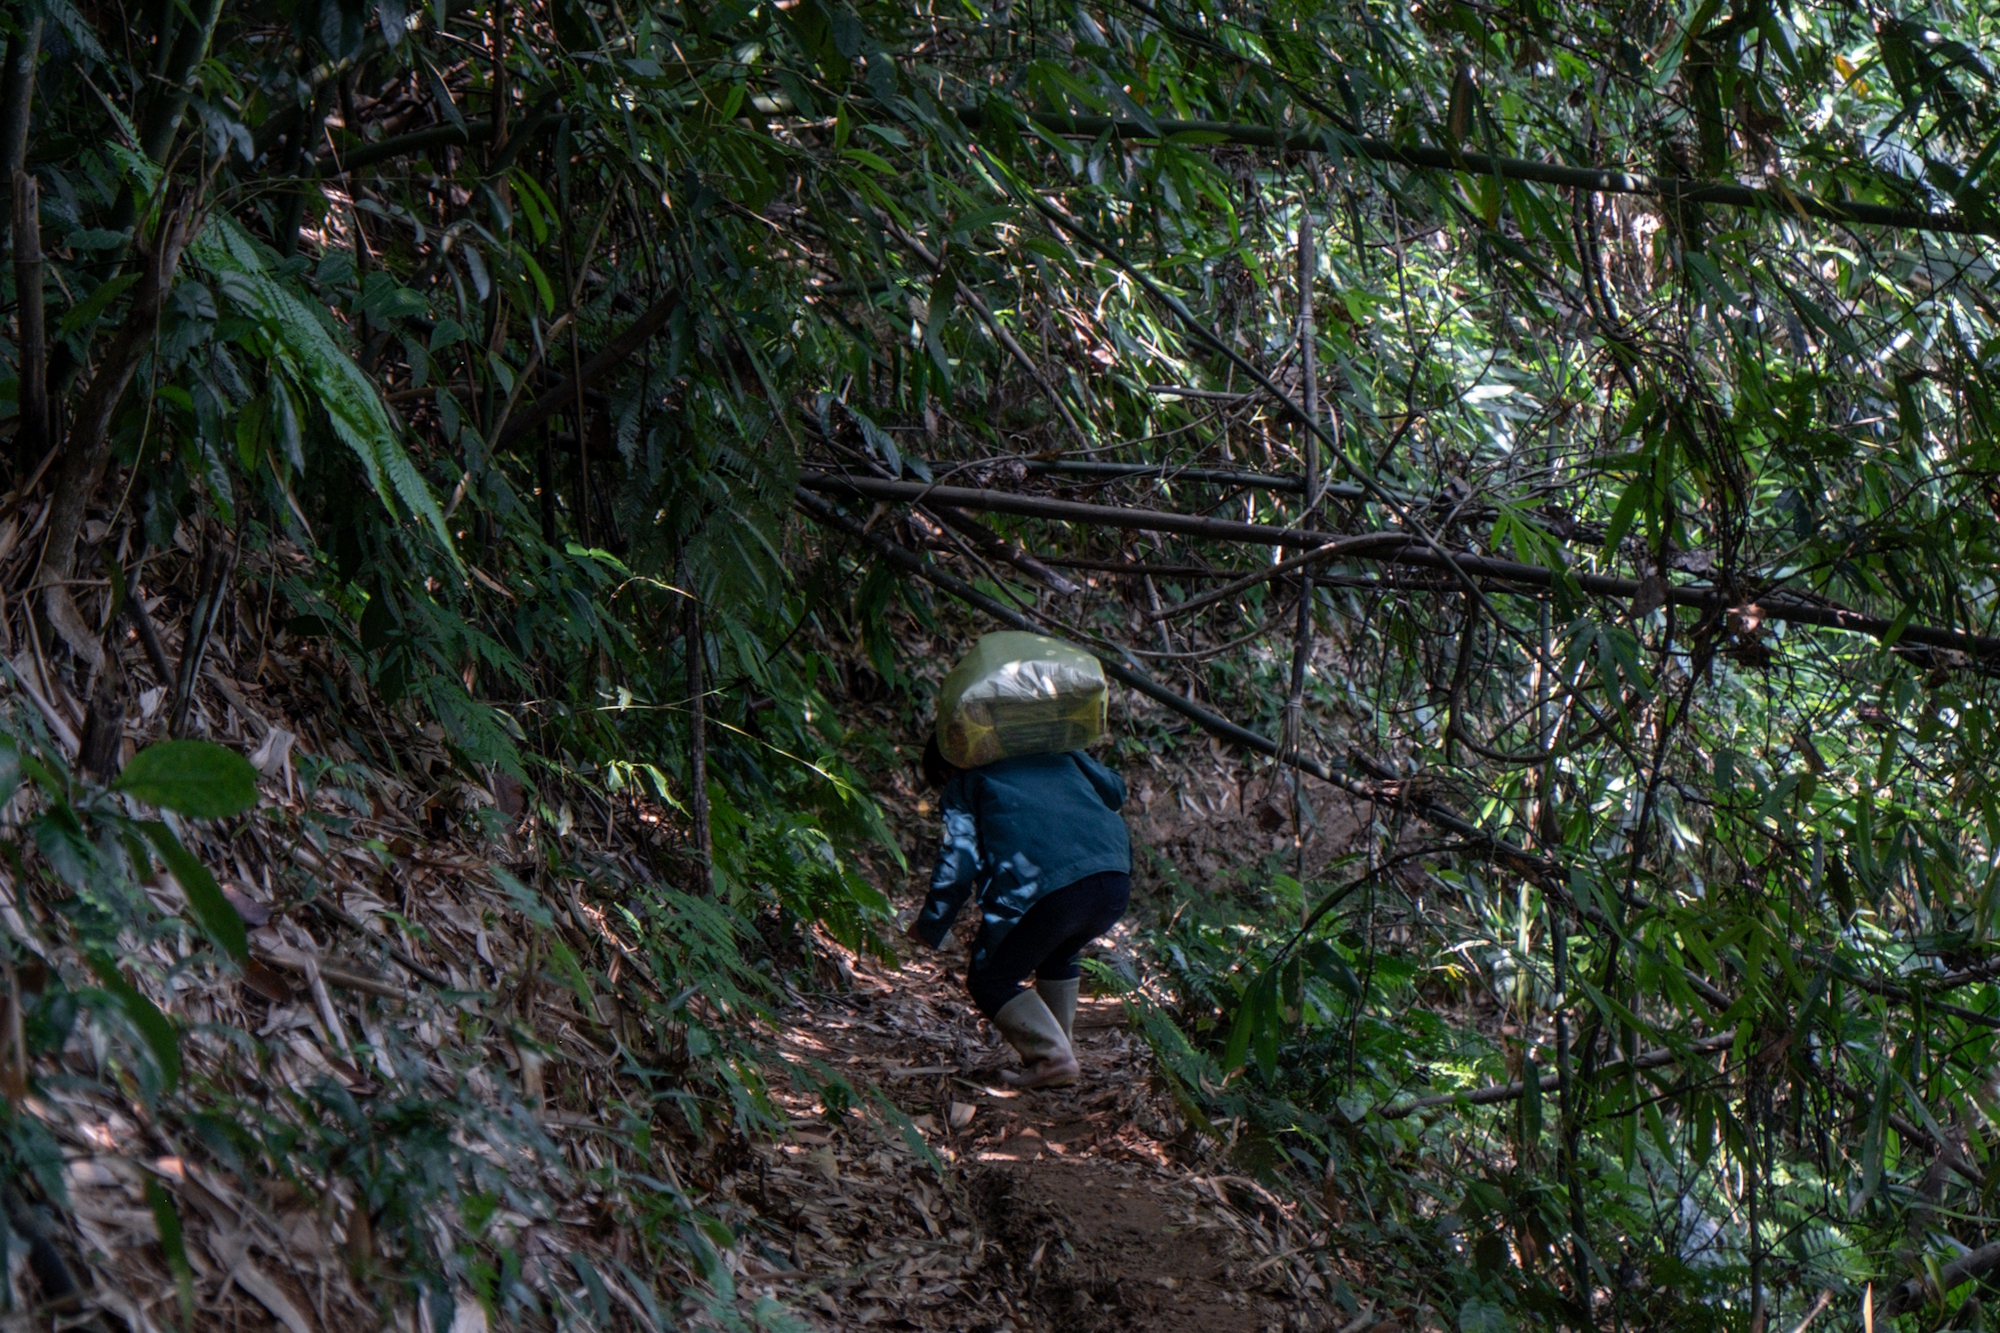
x: 1302, y: 634
x: 1212, y: 476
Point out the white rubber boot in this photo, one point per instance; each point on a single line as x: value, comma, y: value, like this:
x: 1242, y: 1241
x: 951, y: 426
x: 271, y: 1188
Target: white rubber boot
x: 1060, y: 997
x: 1029, y: 1027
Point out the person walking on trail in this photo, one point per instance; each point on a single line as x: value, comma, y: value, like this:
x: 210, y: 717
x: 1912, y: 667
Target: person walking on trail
x: 1038, y: 842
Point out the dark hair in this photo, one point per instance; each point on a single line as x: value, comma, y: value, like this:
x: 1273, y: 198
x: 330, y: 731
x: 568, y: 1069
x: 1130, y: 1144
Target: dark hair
x: 938, y: 770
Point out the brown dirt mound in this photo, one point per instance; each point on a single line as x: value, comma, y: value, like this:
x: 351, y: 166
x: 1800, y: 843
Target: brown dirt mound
x: 1106, y: 1248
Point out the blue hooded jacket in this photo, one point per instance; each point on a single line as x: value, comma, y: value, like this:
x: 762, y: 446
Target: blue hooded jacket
x: 1017, y: 830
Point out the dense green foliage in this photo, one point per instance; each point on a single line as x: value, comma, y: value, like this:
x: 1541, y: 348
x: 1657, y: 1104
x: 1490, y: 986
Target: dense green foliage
x: 494, y: 340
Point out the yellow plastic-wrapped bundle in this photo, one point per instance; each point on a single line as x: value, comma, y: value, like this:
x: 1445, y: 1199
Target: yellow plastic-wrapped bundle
x: 1017, y: 694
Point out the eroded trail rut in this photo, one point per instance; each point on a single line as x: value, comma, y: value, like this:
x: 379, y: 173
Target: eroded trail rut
x: 1068, y: 1208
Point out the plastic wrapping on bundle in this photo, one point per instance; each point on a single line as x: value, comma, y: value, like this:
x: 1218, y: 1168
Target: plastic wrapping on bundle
x: 1018, y: 694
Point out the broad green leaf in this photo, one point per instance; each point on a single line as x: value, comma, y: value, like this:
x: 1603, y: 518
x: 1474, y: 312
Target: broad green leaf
x: 198, y: 779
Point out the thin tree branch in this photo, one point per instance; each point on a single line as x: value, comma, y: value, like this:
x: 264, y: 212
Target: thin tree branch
x: 998, y: 548
x: 1507, y: 1092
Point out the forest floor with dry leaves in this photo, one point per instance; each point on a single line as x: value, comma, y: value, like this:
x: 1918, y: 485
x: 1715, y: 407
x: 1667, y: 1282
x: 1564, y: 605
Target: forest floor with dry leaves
x: 1074, y: 1208
x: 395, y: 947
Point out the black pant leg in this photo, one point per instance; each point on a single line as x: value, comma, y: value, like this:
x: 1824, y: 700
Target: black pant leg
x: 1047, y: 938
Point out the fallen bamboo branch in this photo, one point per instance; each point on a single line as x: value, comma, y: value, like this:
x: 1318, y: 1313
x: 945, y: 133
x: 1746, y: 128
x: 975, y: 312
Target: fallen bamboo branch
x: 1332, y: 550
x: 333, y: 974
x: 992, y: 545
x: 1069, y: 511
x: 1507, y: 1092
x: 1411, y: 553
x: 1919, y: 1290
x: 1206, y: 476
x: 1390, y: 582
x: 562, y: 398
x: 1671, y: 190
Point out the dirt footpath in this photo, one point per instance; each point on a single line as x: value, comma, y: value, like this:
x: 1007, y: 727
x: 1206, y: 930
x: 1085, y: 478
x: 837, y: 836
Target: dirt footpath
x: 941, y: 1199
